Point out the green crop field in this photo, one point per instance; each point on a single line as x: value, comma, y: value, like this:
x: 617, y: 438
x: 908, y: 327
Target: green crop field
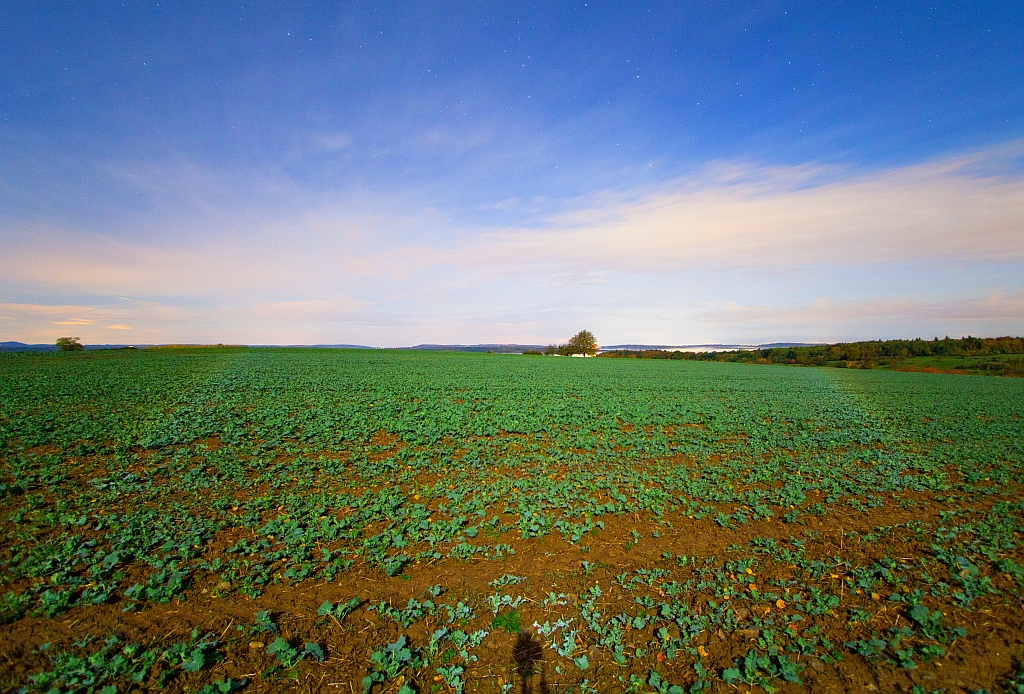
x: 223, y: 520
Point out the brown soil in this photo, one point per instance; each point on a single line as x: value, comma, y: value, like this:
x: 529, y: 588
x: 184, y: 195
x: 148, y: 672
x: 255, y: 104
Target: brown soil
x: 984, y: 658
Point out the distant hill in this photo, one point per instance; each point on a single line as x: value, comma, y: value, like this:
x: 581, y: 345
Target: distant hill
x: 497, y: 349
x: 23, y: 347
x: 312, y: 346
x: 519, y: 349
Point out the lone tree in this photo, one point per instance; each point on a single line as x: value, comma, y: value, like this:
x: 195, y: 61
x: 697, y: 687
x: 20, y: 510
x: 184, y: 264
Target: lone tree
x: 582, y: 342
x: 69, y: 344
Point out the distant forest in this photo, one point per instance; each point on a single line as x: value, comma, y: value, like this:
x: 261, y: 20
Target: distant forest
x: 950, y: 355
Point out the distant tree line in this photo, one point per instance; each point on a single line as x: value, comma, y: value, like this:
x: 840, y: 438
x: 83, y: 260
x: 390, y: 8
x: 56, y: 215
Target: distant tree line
x: 582, y: 342
x: 864, y: 355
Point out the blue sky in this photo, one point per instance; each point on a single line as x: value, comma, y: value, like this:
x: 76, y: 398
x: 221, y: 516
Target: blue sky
x: 395, y: 173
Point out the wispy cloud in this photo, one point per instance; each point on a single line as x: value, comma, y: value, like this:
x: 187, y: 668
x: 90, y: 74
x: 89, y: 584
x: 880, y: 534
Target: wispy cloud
x: 966, y: 208
x: 829, y: 320
x: 827, y: 311
x: 311, y: 310
x: 215, y: 321
x: 330, y: 142
x: 45, y: 309
x: 732, y: 215
x: 385, y: 267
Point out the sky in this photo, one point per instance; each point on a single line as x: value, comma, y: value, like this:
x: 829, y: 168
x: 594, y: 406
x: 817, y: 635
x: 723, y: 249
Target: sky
x: 395, y: 173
